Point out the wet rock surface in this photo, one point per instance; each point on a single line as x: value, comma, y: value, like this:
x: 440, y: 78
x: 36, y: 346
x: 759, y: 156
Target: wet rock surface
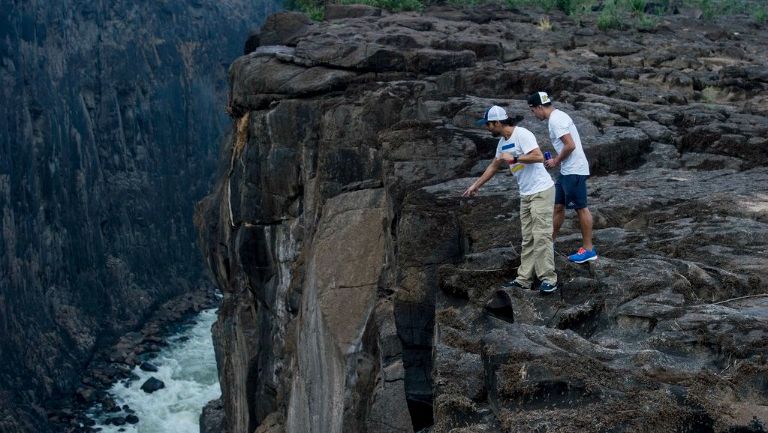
x: 151, y: 385
x: 355, y: 276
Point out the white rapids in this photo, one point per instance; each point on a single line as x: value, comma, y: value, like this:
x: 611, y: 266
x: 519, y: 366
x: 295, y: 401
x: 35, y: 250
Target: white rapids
x: 187, y: 366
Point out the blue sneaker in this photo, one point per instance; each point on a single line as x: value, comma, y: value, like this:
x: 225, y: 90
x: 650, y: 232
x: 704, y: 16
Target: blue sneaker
x: 583, y: 256
x: 546, y: 288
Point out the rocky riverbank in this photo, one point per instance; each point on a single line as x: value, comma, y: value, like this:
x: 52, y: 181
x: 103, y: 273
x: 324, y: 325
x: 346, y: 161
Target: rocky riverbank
x: 354, y: 275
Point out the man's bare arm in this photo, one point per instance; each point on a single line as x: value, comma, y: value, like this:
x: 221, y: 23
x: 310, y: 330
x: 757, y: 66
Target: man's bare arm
x: 492, y: 168
x: 568, y: 147
x: 531, y: 157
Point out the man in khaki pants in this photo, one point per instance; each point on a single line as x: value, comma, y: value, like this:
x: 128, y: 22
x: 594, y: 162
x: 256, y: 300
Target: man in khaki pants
x: 518, y: 148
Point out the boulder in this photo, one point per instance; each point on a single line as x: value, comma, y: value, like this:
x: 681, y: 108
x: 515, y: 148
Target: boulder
x: 151, y: 385
x: 284, y: 28
x: 212, y: 418
x: 147, y: 366
x: 116, y: 421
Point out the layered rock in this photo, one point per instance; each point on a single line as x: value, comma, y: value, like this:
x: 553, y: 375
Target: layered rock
x: 111, y: 113
x: 354, y: 274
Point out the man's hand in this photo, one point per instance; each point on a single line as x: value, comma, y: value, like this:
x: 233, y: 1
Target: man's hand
x: 506, y: 156
x: 471, y: 191
x: 552, y: 163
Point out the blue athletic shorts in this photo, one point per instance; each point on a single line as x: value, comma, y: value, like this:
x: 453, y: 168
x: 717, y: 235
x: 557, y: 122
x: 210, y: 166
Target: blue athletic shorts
x: 571, y: 191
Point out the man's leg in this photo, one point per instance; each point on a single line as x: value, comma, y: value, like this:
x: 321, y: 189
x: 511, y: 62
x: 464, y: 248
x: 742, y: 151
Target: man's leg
x: 585, y: 221
x: 541, y: 216
x: 527, y: 259
x: 557, y: 220
x: 559, y: 212
x: 578, y: 196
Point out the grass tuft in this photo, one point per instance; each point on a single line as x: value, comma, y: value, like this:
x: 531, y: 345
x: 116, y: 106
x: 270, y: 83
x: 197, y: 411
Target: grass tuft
x: 544, y: 24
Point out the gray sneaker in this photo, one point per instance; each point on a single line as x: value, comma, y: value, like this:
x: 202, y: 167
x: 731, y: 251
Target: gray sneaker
x: 514, y: 284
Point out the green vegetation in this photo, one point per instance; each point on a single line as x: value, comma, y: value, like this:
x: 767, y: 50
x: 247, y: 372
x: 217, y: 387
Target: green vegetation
x: 390, y: 5
x: 469, y: 3
x: 636, y: 7
x: 569, y: 7
x: 711, y: 9
x: 608, y: 14
x: 314, y: 9
x: 646, y: 22
x: 760, y: 14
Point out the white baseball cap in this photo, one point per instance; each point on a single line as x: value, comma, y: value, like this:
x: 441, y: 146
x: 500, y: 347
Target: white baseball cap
x: 493, y: 114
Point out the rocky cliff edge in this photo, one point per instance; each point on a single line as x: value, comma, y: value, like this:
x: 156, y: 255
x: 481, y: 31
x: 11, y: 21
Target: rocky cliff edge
x: 354, y: 275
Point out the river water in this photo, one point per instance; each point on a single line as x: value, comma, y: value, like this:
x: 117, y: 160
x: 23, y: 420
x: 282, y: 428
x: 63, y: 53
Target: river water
x: 187, y: 366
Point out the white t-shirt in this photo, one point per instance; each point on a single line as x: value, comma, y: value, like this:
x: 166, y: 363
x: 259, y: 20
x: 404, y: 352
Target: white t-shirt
x: 559, y: 125
x: 531, y: 178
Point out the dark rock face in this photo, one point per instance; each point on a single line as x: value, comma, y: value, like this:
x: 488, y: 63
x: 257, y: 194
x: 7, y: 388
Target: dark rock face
x: 355, y: 276
x: 110, y: 117
x: 212, y: 419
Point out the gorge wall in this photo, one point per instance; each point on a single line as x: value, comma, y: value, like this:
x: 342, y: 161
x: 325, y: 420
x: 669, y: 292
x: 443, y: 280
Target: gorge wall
x: 354, y: 274
x: 111, y: 113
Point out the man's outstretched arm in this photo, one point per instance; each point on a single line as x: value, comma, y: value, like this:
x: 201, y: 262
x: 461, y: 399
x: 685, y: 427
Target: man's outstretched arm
x: 492, y: 168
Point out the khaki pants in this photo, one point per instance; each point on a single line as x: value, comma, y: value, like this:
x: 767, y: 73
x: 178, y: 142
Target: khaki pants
x: 537, y: 257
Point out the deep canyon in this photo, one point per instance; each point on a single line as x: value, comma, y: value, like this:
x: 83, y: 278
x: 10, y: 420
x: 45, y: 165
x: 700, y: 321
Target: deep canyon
x: 111, y: 119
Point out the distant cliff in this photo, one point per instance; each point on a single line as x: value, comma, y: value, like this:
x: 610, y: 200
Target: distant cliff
x: 110, y: 116
x: 354, y: 275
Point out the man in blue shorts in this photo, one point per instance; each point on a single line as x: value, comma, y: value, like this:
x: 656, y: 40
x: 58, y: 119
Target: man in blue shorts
x: 571, y: 186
